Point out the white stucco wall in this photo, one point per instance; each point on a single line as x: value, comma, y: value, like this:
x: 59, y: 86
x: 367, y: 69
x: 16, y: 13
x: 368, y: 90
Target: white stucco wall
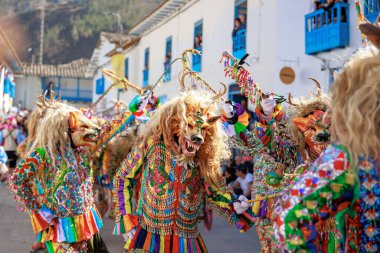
x: 27, y: 90
x: 275, y: 38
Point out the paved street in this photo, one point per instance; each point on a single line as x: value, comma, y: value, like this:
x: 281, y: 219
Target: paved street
x: 16, y: 233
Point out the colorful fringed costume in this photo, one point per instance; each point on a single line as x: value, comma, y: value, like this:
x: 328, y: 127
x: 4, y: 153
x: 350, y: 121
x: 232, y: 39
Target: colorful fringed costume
x: 166, y: 173
x: 274, y: 155
x: 116, y: 150
x: 340, y: 192
x: 330, y: 192
x: 65, y: 218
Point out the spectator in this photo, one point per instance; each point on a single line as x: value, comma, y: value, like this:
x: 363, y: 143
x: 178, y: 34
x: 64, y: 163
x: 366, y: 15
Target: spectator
x: 316, y: 5
x: 198, y: 41
x: 238, y: 160
x: 243, y: 21
x: 237, y: 26
x: 167, y: 62
x: 249, y: 165
x: 8, y: 139
x: 3, y: 166
x: 244, y: 180
x: 230, y: 177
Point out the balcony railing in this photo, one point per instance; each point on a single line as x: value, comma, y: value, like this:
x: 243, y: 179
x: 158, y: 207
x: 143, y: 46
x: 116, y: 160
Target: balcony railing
x: 239, y: 43
x: 197, y: 60
x: 75, y: 95
x: 145, y: 77
x: 326, y: 30
x: 371, y: 9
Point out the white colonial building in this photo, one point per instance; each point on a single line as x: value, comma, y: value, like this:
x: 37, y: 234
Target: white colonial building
x: 275, y: 34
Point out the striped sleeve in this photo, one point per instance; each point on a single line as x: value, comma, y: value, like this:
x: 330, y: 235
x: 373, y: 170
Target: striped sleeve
x: 114, y: 127
x: 222, y: 202
x: 122, y: 192
x: 21, y: 181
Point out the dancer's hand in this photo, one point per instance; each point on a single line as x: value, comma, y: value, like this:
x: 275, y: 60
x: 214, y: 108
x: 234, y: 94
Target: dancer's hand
x: 242, y: 205
x: 227, y: 108
x: 129, y: 234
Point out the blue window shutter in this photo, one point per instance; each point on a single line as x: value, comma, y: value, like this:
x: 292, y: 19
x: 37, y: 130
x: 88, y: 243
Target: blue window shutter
x: 7, y: 86
x: 168, y: 45
x: 197, y: 59
x: 100, y: 86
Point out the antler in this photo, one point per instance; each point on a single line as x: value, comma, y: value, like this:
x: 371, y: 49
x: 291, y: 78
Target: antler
x: 182, y: 79
x: 195, y: 74
x: 319, y: 89
x: 185, y: 62
x: 124, y: 81
x: 220, y: 94
x: 43, y: 102
x: 290, y: 99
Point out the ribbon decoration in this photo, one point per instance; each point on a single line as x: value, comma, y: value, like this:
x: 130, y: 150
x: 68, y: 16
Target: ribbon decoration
x: 361, y: 19
x: 236, y: 71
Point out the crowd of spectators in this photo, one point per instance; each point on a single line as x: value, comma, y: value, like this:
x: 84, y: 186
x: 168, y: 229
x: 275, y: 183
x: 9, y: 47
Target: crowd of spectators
x: 238, y: 173
x: 13, y: 132
x: 329, y: 14
x: 239, y: 24
x: 317, y: 4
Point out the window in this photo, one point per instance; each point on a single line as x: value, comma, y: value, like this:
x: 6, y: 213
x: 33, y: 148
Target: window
x: 234, y: 93
x: 168, y: 59
x: 240, y: 29
x: 126, y: 68
x: 100, y: 86
x: 146, y: 68
x: 198, y: 40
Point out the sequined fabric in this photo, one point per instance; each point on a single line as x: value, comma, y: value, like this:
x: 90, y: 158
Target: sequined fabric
x: 168, y: 195
x: 329, y: 199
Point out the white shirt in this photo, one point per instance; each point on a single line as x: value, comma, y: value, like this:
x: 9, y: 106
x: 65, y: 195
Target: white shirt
x: 10, y: 139
x: 244, y: 183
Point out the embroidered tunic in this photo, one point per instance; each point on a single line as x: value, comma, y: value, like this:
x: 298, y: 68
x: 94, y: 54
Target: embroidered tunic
x: 168, y: 200
x: 65, y: 217
x: 67, y: 194
x: 330, y: 192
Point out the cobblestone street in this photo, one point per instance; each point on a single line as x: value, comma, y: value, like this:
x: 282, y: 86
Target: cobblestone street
x: 16, y: 232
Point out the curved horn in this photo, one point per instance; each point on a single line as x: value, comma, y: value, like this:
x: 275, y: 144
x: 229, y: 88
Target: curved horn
x: 182, y: 79
x: 290, y: 99
x: 185, y: 62
x: 221, y: 94
x: 319, y: 89
x: 44, y: 102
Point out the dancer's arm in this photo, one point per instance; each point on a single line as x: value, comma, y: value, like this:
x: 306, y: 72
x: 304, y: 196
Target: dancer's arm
x: 121, y: 122
x: 223, y: 202
x: 122, y: 192
x: 21, y: 183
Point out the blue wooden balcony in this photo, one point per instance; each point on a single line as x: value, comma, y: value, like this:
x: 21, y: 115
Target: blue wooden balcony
x: 145, y: 77
x: 371, y: 9
x: 239, y: 43
x: 326, y: 30
x: 197, y: 60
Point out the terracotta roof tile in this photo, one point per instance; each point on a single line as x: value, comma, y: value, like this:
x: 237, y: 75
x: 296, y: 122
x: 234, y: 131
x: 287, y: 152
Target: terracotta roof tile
x: 74, y: 69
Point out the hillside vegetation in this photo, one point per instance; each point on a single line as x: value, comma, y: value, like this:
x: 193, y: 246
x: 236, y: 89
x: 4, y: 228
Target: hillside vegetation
x: 71, y: 26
